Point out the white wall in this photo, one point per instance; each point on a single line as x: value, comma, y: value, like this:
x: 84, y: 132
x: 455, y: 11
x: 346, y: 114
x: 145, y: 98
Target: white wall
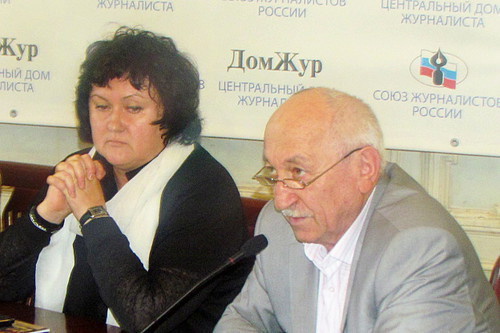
x: 468, y: 186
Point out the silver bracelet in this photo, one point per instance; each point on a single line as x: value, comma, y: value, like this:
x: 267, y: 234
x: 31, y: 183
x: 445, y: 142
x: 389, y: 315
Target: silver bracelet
x: 34, y: 221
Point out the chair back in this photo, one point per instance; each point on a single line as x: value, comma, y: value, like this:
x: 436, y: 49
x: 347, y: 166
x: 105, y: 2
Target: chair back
x: 252, y: 208
x: 24, y: 181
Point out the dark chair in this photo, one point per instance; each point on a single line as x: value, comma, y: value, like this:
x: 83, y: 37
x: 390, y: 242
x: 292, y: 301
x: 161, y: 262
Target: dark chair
x: 495, y: 278
x: 26, y: 181
x: 252, y: 208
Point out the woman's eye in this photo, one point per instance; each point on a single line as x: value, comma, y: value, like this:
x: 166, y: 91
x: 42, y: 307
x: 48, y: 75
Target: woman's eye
x: 101, y: 107
x: 135, y: 109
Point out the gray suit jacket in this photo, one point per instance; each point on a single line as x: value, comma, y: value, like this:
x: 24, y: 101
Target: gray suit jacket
x: 414, y: 270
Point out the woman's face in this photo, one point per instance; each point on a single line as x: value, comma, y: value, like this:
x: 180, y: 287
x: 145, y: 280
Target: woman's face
x: 121, y: 120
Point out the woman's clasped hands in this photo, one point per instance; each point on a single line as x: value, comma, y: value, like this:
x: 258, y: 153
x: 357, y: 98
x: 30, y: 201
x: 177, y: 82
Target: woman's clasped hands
x: 73, y: 188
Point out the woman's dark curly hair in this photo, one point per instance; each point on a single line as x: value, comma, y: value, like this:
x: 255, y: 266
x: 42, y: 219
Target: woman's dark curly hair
x: 146, y: 60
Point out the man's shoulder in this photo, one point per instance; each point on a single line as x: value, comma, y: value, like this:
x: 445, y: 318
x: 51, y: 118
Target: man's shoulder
x: 406, y: 213
x: 405, y: 204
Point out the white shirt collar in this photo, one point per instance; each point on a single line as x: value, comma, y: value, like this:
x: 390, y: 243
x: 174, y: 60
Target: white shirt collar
x: 343, y: 251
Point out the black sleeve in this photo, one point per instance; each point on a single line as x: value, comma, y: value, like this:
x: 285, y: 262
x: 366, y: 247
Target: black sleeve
x: 201, y: 225
x: 20, y: 245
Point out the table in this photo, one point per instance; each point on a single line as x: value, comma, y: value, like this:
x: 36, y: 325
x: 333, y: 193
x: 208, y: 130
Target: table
x: 57, y: 322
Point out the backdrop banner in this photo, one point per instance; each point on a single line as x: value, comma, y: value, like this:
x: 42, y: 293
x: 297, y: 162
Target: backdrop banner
x: 429, y: 69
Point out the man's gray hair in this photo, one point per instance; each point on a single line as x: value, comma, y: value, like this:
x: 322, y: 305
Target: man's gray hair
x: 355, y: 124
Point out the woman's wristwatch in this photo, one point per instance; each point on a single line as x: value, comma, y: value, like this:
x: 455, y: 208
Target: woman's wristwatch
x: 92, y: 214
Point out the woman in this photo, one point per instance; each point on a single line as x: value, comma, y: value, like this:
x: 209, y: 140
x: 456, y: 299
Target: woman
x: 124, y: 230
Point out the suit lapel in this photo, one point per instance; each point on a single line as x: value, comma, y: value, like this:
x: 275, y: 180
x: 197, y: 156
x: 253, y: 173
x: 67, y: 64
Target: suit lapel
x: 303, y: 281
x: 379, y: 191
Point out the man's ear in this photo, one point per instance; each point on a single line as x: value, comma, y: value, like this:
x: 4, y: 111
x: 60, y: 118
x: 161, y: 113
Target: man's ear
x: 369, y: 169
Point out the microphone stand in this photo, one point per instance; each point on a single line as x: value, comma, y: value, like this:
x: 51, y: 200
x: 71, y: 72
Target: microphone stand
x: 251, y: 247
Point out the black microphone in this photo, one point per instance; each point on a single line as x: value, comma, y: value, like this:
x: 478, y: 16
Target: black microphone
x: 251, y: 247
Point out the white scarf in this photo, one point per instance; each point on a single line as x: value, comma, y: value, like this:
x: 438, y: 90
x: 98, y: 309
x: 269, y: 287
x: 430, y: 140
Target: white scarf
x: 135, y: 208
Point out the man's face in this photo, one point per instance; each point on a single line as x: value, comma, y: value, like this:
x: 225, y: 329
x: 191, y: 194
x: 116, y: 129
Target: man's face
x: 298, y: 144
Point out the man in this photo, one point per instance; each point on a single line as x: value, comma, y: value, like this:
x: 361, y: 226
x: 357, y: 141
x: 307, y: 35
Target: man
x: 378, y: 254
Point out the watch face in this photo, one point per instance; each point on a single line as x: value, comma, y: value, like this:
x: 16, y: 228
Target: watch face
x: 93, y: 213
x: 99, y: 210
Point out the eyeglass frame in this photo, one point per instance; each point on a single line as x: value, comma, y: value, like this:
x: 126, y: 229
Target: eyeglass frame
x: 269, y: 181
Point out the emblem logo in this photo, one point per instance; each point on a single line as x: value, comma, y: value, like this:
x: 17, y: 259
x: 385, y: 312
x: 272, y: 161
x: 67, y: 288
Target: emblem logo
x: 438, y: 69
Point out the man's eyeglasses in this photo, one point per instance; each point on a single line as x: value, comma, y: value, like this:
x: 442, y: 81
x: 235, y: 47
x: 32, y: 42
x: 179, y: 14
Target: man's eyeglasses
x: 262, y: 176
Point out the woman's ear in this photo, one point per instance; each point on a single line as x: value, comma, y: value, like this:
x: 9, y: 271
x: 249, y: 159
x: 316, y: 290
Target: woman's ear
x: 369, y: 169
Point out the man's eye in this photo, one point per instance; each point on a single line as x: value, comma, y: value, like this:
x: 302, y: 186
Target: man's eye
x: 270, y: 172
x: 297, y: 173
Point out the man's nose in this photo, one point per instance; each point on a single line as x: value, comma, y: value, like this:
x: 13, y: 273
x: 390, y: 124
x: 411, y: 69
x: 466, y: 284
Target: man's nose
x: 284, y: 197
